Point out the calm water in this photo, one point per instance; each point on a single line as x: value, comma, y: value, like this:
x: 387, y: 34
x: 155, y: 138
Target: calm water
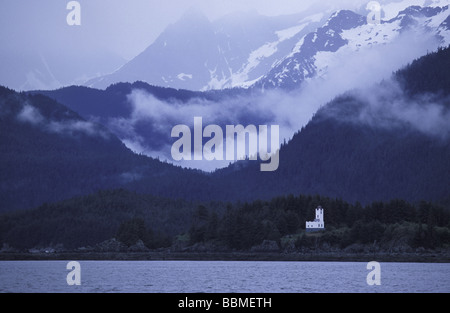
x: 222, y: 277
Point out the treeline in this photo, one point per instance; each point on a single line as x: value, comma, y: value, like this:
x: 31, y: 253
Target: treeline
x: 389, y: 225
x: 329, y: 156
x: 39, y: 165
x: 130, y: 217
x: 428, y: 74
x: 132, y: 231
x: 88, y: 220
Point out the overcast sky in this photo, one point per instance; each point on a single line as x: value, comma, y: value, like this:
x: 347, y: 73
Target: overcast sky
x: 123, y: 27
x: 39, y: 50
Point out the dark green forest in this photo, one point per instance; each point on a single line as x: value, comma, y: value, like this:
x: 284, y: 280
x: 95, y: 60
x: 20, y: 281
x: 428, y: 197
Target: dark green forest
x: 337, y: 156
x: 330, y: 156
x: 217, y: 226
x: 428, y: 74
x: 391, y: 225
x: 360, y: 172
x: 88, y: 220
x: 40, y: 164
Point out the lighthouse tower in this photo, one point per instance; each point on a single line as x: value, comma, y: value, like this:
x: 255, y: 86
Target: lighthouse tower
x: 318, y: 224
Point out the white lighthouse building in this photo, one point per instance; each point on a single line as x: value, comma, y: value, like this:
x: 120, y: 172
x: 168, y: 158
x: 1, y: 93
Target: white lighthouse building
x: 318, y: 223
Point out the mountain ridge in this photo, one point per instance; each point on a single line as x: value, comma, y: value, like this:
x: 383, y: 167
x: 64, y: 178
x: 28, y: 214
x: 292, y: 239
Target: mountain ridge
x: 339, y: 153
x: 221, y: 54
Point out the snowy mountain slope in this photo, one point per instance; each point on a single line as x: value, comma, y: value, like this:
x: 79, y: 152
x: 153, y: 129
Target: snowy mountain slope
x: 198, y: 54
x: 443, y: 31
x: 346, y: 34
x: 247, y: 49
x: 299, y: 65
x: 180, y: 57
x: 257, y: 60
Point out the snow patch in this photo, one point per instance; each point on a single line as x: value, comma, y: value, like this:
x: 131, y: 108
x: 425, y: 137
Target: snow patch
x: 438, y: 19
x: 392, y: 9
x: 288, y: 33
x: 215, y: 82
x: 183, y: 76
x: 241, y: 77
x: 370, y: 34
x: 298, y: 46
x: 315, y: 18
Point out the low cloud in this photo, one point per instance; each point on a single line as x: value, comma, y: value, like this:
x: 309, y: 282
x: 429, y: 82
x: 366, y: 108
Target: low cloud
x: 387, y: 106
x: 147, y: 130
x: 32, y: 115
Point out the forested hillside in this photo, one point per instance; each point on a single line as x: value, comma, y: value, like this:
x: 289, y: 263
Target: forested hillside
x: 49, y: 153
x: 390, y: 141
x: 379, y: 159
x: 128, y: 217
x: 428, y: 74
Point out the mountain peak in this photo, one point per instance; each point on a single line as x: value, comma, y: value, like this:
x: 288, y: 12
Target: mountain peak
x: 192, y: 21
x: 418, y: 11
x: 194, y: 14
x: 345, y: 19
x: 244, y: 48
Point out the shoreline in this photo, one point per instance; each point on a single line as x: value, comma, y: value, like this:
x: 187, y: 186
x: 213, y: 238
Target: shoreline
x: 231, y: 256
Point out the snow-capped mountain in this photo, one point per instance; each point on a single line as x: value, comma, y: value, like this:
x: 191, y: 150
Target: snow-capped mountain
x: 347, y: 33
x: 197, y: 54
x: 247, y: 49
x: 300, y: 64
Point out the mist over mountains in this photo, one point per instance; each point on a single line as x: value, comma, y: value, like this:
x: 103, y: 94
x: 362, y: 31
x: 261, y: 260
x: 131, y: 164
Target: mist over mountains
x: 197, y: 54
x: 349, y: 127
x: 387, y: 142
x: 246, y: 49
x: 142, y: 116
x: 241, y: 47
x: 302, y: 62
x: 363, y: 111
x: 357, y: 147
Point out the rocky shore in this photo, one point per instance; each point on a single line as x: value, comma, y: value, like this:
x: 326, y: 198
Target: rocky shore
x: 232, y: 256
x: 426, y: 256
x: 113, y: 249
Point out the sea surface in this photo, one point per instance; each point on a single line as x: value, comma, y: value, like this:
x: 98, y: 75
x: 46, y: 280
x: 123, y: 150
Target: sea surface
x: 222, y: 277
